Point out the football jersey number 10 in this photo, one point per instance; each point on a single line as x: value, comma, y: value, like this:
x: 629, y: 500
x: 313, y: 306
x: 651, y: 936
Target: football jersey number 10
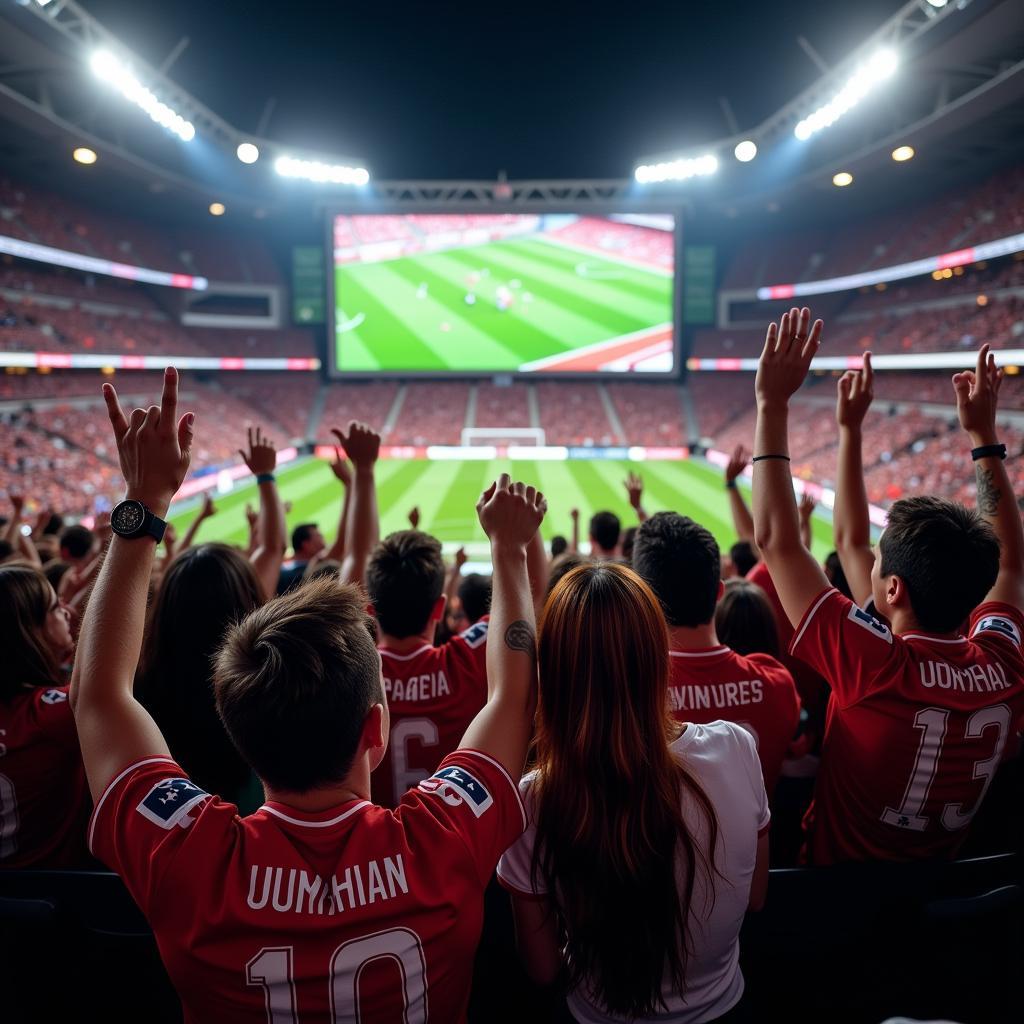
x: 273, y: 969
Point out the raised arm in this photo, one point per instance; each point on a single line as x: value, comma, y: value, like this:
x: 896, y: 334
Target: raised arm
x: 788, y: 350
x: 851, y: 525
x: 453, y: 576
x: 574, y: 514
x: 22, y: 544
x: 362, y: 446
x: 634, y: 485
x: 114, y: 730
x: 206, y: 509
x: 511, y: 515
x: 806, y: 508
x: 977, y: 397
x: 269, y: 554
x: 742, y: 522
x: 343, y: 474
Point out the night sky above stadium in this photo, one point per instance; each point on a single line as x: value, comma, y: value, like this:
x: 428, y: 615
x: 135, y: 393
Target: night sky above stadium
x: 549, y: 90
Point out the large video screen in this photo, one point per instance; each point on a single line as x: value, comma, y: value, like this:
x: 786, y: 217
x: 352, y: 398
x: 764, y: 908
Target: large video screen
x: 514, y: 293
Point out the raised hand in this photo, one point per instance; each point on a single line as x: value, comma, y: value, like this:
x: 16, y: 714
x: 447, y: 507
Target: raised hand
x: 738, y: 461
x: 340, y: 467
x: 153, y: 445
x: 262, y: 455
x: 362, y: 444
x: 855, y: 390
x: 977, y: 397
x: 634, y: 485
x: 574, y: 514
x: 511, y: 513
x: 414, y: 517
x: 208, y: 508
x: 789, y: 347
x: 252, y: 517
x: 460, y: 559
x: 806, y: 507
x: 18, y: 501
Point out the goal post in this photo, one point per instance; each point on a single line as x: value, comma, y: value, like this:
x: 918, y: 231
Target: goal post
x: 500, y: 437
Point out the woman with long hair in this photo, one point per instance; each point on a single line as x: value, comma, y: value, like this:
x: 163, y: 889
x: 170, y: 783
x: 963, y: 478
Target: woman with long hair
x: 204, y: 591
x: 745, y: 619
x: 44, y: 799
x: 647, y: 840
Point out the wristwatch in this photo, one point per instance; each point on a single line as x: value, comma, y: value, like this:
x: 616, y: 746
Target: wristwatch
x: 130, y: 519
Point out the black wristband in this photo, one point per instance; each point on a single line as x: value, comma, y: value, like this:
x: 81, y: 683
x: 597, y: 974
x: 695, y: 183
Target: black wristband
x: 730, y: 485
x: 998, y: 450
x: 264, y: 478
x: 761, y: 458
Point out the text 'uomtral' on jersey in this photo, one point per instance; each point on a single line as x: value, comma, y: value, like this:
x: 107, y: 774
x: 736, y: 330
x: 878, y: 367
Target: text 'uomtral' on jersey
x: 355, y: 913
x: 433, y: 694
x: 917, y: 727
x: 755, y: 691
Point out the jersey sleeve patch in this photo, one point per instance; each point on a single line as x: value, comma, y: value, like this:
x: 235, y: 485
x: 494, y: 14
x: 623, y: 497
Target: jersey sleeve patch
x: 475, y: 635
x: 998, y: 624
x: 54, y: 697
x: 870, y: 623
x: 167, y: 804
x: 456, y: 786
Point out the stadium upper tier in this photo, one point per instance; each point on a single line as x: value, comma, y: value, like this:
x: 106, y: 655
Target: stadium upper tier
x: 977, y: 213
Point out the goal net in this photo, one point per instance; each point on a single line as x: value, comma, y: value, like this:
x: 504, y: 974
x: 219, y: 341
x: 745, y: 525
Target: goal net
x: 502, y: 437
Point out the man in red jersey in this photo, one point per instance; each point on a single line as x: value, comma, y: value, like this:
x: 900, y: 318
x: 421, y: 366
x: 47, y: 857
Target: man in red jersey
x: 920, y: 716
x: 320, y: 905
x: 681, y: 563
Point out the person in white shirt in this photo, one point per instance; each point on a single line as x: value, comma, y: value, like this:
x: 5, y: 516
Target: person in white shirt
x: 648, y: 839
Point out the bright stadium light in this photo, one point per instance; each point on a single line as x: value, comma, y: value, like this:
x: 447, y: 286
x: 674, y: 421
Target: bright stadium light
x: 842, y: 179
x: 880, y: 67
x: 248, y: 152
x: 677, y: 170
x: 84, y: 155
x: 745, y: 151
x: 938, y: 3
x: 217, y: 209
x: 316, y: 170
x: 115, y: 72
x: 903, y: 153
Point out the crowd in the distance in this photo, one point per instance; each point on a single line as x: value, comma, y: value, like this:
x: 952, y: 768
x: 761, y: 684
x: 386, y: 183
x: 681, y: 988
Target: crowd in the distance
x: 615, y: 733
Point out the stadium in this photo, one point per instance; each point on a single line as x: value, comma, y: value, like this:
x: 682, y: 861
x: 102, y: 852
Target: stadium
x: 563, y: 273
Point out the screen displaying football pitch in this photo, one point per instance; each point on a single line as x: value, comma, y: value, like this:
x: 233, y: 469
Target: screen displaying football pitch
x: 513, y: 293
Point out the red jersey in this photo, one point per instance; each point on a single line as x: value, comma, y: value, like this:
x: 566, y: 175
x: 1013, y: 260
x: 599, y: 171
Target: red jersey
x: 916, y: 729
x: 44, y: 797
x: 755, y: 691
x: 355, y: 913
x: 433, y: 694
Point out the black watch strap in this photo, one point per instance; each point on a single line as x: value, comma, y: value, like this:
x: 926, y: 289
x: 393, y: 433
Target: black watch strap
x: 154, y: 526
x: 131, y: 519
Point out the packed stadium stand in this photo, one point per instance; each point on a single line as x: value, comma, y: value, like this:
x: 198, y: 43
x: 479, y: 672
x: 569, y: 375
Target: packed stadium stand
x: 650, y: 414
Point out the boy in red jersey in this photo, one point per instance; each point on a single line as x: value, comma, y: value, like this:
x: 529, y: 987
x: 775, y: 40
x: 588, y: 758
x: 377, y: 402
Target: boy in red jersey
x: 920, y: 716
x: 320, y: 905
x: 681, y: 563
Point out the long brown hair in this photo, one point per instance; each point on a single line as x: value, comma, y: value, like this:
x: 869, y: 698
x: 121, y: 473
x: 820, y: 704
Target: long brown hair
x: 608, y: 790
x: 29, y: 660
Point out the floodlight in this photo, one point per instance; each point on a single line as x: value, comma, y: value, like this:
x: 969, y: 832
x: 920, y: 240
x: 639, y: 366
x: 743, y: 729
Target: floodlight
x: 112, y: 70
x: 903, y: 153
x: 745, y: 151
x: 247, y: 152
x: 881, y: 66
x: 938, y: 3
x: 677, y: 170
x: 842, y: 179
x: 316, y: 170
x: 217, y: 209
x: 84, y: 155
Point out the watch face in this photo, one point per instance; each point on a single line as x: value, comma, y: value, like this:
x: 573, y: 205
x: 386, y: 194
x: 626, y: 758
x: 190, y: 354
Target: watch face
x: 127, y: 517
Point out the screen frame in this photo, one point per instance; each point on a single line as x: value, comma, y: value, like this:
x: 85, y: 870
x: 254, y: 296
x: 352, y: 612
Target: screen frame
x: 602, y: 209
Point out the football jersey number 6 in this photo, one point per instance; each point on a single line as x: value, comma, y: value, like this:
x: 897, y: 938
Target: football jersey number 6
x: 272, y: 968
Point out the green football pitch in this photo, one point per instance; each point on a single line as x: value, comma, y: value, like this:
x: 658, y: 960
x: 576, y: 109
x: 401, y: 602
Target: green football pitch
x: 446, y: 494
x: 412, y: 313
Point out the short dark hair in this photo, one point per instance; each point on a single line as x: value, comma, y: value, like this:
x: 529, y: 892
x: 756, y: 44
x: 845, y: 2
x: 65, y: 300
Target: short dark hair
x: 680, y: 561
x: 946, y: 554
x: 475, y: 596
x: 562, y: 566
x: 836, y: 576
x: 743, y: 556
x: 404, y: 578
x: 605, y: 529
x: 559, y: 545
x: 294, y: 681
x: 628, y: 540
x: 745, y: 619
x: 77, y: 541
x: 53, y: 525
x: 301, y: 534
x: 54, y: 571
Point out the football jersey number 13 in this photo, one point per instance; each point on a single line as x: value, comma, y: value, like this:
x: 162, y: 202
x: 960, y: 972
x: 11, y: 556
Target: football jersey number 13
x: 273, y: 969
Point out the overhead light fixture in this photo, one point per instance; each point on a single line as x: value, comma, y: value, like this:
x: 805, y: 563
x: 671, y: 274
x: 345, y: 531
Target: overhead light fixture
x: 316, y: 170
x: 745, y: 151
x: 842, y: 179
x: 881, y: 66
x: 248, y: 152
x: 217, y: 209
x: 903, y: 153
x: 937, y: 3
x: 112, y: 70
x: 84, y: 155
x: 677, y: 170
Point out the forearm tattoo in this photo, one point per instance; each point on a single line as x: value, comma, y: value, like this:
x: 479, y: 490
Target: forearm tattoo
x: 988, y: 493
x: 520, y: 637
